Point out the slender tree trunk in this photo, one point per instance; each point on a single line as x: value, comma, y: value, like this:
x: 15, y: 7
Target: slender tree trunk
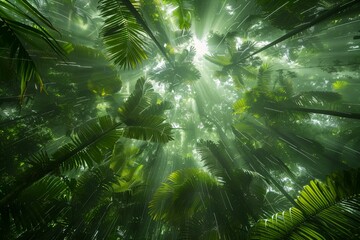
x: 326, y: 112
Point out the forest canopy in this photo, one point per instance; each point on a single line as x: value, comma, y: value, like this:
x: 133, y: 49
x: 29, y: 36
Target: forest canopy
x: 179, y: 119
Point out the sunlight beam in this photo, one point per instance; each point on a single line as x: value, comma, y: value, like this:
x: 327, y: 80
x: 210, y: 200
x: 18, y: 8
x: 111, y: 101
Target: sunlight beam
x: 201, y: 49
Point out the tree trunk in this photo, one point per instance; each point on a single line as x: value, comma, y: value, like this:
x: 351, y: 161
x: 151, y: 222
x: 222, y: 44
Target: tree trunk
x: 326, y: 112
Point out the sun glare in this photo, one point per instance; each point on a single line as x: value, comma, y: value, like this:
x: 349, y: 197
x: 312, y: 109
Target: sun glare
x: 201, y: 48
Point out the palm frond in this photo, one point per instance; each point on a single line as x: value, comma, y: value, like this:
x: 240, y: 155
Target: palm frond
x: 326, y: 15
x: 19, y: 35
x: 141, y: 115
x: 158, y: 108
x: 89, y: 144
x: 216, y: 158
x: 139, y: 101
x: 125, y: 39
x: 182, y: 12
x: 182, y: 72
x: 91, y: 186
x: 219, y: 60
x: 182, y: 195
x: 328, y: 210
x: 263, y: 78
x: 42, y: 202
x: 150, y: 128
x: 89, y: 141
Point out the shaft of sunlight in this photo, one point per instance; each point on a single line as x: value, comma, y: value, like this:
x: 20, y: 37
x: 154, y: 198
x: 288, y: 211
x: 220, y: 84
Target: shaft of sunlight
x: 201, y: 49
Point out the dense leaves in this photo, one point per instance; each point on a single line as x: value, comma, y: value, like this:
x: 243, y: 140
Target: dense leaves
x: 327, y: 210
x: 124, y: 38
x: 20, y: 25
x: 179, y: 119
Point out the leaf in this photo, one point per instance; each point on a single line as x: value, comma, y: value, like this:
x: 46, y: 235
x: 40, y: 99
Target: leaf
x: 139, y: 101
x: 340, y: 85
x: 240, y: 106
x: 179, y: 197
x: 124, y: 38
x: 42, y: 202
x: 328, y: 210
x: 19, y: 35
x: 219, y: 60
x: 89, y: 142
x: 142, y: 116
x: 149, y: 128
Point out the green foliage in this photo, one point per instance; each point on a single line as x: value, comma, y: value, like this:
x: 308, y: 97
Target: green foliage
x: 89, y: 142
x: 327, y: 210
x: 22, y: 24
x: 182, y: 12
x: 141, y: 115
x: 181, y: 72
x: 101, y: 169
x: 287, y: 14
x: 181, y: 196
x: 124, y: 38
x: 280, y: 103
x: 39, y: 204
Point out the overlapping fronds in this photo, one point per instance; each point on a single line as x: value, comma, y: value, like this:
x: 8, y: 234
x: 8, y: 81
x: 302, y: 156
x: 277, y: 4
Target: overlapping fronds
x: 43, y: 201
x: 150, y: 128
x: 124, y: 38
x: 143, y: 117
x: 20, y: 22
x: 182, y: 12
x: 158, y: 108
x: 181, y: 73
x: 92, y: 186
x: 329, y: 210
x: 264, y: 77
x: 138, y: 101
x: 215, y: 158
x: 89, y: 141
x: 182, y: 195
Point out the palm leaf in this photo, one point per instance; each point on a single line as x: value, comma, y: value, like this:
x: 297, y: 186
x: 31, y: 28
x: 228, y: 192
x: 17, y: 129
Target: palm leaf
x: 326, y: 15
x: 93, y: 139
x: 158, y: 108
x: 328, y: 210
x: 151, y: 128
x: 88, y: 146
x: 89, y: 141
x: 139, y: 100
x: 216, y: 158
x: 182, y: 12
x: 141, y: 115
x: 180, y: 73
x: 14, y: 31
x: 42, y: 202
x: 181, y: 195
x: 124, y: 38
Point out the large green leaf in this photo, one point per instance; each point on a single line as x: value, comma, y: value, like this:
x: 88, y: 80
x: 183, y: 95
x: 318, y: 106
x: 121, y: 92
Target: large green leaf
x: 22, y: 28
x: 124, y: 38
x: 143, y: 115
x: 328, y: 210
x: 42, y: 202
x: 181, y: 196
